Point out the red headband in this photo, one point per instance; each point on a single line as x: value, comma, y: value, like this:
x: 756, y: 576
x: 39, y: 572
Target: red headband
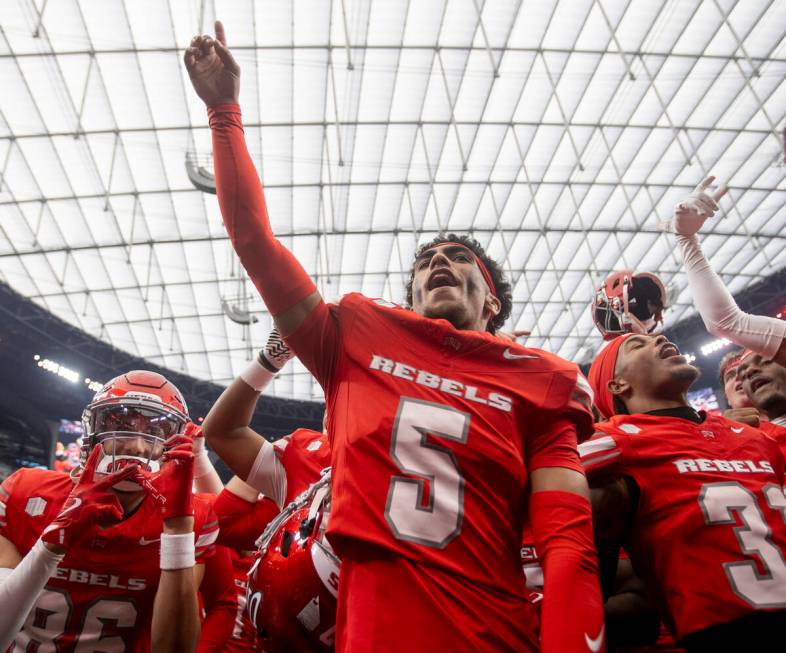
x: 481, y: 266
x: 602, y: 371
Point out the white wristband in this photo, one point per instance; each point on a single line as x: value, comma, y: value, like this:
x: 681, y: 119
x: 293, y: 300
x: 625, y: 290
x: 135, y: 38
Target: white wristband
x: 178, y: 551
x: 256, y: 375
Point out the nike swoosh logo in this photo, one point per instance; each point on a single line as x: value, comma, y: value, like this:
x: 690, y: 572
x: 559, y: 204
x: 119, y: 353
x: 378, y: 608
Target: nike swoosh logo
x: 77, y: 502
x: 143, y: 541
x: 511, y: 356
x: 595, y: 644
x: 738, y: 430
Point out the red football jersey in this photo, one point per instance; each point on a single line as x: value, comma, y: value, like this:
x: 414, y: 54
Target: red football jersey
x: 709, y: 531
x: 103, y: 590
x: 304, y: 454
x: 244, y: 636
x: 434, y: 432
x: 776, y: 431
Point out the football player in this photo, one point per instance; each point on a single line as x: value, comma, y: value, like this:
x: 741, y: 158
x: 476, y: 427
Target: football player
x: 629, y: 302
x: 740, y: 408
x: 696, y: 499
x: 444, y: 438
x: 764, y: 381
x: 723, y: 318
x: 111, y: 559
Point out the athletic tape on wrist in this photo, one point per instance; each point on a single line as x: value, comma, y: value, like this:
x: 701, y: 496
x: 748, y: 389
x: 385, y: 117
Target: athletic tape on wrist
x: 202, y: 464
x: 257, y: 376
x: 178, y: 551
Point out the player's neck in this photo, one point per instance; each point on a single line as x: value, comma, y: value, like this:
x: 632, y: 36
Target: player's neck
x: 129, y: 501
x: 636, y: 405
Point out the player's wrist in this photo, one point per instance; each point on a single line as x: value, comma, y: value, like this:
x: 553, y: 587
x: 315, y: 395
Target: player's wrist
x: 179, y: 525
x: 178, y: 550
x: 257, y: 375
x: 54, y: 548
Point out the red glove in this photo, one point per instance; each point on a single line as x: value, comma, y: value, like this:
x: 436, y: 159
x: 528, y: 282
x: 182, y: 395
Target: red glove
x: 171, y: 488
x: 88, y: 504
x: 194, y: 432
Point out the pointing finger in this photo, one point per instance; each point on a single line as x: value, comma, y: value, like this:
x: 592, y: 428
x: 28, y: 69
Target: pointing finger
x: 221, y: 36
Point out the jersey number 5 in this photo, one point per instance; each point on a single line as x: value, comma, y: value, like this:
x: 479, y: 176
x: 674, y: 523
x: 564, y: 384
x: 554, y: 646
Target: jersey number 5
x: 429, y: 509
x: 725, y: 503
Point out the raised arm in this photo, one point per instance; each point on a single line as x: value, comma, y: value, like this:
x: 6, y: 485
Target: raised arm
x: 720, y: 313
x: 226, y: 427
x: 287, y: 290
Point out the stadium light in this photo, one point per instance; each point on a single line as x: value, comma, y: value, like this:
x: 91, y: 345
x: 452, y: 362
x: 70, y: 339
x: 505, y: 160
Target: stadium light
x: 714, y: 346
x: 95, y: 386
x: 56, y: 368
x: 690, y: 357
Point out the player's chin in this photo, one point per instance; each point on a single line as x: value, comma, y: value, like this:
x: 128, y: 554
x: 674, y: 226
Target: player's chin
x: 680, y: 370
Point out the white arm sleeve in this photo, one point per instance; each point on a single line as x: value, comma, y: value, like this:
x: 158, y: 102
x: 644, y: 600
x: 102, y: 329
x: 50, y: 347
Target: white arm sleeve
x: 20, y: 587
x: 721, y: 315
x: 268, y: 474
x: 206, y: 478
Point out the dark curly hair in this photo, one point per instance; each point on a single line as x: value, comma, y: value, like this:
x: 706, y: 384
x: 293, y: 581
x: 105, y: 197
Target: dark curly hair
x: 495, y: 271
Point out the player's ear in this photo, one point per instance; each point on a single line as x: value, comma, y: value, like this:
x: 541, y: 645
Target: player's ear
x: 492, y: 306
x: 618, y: 386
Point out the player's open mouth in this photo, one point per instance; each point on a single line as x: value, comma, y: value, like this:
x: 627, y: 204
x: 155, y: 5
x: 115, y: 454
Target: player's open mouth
x: 441, y: 278
x: 759, y: 382
x: 669, y: 350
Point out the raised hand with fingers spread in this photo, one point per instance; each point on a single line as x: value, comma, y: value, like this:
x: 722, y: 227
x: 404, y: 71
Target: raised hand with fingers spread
x: 213, y: 70
x: 89, y: 503
x: 692, y: 212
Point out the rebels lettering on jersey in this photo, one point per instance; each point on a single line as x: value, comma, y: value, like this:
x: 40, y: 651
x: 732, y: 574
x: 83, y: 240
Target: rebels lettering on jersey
x: 709, y: 531
x: 102, y: 592
x: 434, y: 432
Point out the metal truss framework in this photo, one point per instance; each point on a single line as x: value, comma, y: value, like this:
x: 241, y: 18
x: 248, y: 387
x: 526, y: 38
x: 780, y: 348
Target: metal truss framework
x: 558, y: 133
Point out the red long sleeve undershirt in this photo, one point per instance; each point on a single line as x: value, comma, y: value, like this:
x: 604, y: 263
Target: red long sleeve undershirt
x: 276, y: 273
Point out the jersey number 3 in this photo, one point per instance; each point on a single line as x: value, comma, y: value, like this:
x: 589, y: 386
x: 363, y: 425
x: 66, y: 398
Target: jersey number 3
x: 725, y: 503
x: 429, y: 509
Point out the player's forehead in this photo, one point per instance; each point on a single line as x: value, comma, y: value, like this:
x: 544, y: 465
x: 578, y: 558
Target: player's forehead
x: 447, y: 248
x: 632, y: 341
x: 747, y: 362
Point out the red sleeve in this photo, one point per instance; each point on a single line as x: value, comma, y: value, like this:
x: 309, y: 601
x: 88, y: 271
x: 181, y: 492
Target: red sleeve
x: 572, y: 608
x: 11, y: 515
x: 206, y: 534
x: 317, y: 342
x: 601, y: 454
x: 219, y: 596
x: 564, y: 420
x: 276, y: 273
x: 241, y: 521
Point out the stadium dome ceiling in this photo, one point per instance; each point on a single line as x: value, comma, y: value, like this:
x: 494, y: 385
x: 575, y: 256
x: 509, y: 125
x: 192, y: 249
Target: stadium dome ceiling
x: 559, y: 133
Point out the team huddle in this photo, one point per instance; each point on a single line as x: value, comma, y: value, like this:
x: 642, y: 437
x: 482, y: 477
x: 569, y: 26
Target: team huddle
x: 467, y: 494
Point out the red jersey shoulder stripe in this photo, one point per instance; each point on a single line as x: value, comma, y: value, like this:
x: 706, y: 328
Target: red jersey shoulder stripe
x: 598, y: 451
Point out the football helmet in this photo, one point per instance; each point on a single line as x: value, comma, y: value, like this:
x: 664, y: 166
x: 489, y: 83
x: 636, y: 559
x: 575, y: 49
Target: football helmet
x: 629, y: 302
x: 293, y: 583
x: 130, y: 418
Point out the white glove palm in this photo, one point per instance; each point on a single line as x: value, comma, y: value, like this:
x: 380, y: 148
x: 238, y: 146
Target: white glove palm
x: 692, y: 212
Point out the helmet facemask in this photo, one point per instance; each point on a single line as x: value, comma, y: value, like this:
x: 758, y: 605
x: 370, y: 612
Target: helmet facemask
x: 130, y: 431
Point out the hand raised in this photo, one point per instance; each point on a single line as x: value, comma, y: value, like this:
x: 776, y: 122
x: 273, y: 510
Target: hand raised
x: 89, y: 503
x: 692, y: 212
x: 213, y: 70
x: 171, y: 488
